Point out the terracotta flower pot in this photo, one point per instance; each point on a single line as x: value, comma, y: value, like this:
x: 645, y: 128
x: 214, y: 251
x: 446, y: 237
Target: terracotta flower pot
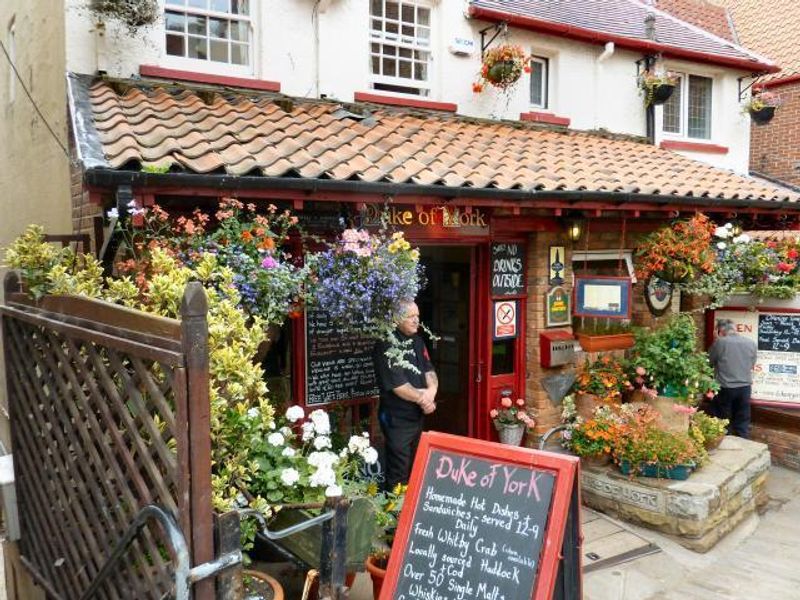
x: 601, y: 343
x: 264, y: 587
x: 585, y: 405
x: 595, y: 461
x: 377, y: 574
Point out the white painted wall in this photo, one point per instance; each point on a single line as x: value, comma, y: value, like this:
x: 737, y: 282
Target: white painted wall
x: 321, y: 48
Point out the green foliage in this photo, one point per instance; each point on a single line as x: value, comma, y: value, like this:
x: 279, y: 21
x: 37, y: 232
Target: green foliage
x: 35, y: 259
x: 704, y: 428
x: 671, y: 361
x: 640, y: 440
x: 158, y: 169
x: 595, y: 436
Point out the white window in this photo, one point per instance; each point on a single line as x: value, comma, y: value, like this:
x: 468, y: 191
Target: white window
x: 687, y: 113
x: 213, y: 31
x: 540, y: 69
x: 12, y: 56
x: 400, y: 46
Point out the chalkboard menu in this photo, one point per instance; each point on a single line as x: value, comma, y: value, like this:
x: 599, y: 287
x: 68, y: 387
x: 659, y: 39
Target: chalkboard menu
x: 338, y: 366
x: 508, y: 269
x: 480, y: 520
x: 779, y: 332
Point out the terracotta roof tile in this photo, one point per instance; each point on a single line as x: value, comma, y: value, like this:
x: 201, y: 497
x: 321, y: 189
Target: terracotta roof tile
x: 703, y: 13
x: 241, y: 135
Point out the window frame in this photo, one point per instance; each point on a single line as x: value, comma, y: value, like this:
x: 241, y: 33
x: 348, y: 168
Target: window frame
x: 206, y: 65
x: 545, y: 62
x: 377, y: 82
x: 683, y: 132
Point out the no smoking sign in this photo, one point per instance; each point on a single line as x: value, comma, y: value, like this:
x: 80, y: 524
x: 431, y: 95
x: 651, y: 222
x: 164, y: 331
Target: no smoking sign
x: 505, y: 319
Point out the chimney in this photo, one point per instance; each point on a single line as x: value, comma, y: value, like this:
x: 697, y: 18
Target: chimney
x: 650, y: 27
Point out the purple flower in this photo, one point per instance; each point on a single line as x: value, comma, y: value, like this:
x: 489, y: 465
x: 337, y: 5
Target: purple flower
x: 269, y: 263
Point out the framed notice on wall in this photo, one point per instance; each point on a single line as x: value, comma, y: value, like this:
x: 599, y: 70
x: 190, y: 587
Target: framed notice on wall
x: 776, y: 376
x: 600, y: 296
x: 486, y: 520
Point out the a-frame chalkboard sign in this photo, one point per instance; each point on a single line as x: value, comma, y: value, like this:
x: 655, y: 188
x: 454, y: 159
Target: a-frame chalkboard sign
x: 487, y: 521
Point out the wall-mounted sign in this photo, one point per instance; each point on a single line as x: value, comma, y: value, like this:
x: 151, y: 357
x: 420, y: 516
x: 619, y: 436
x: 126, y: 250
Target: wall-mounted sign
x: 600, y: 296
x: 555, y: 265
x: 449, y: 217
x: 508, y: 269
x: 461, y: 46
x: 557, y: 310
x: 658, y: 295
x: 485, y: 520
x: 505, y: 319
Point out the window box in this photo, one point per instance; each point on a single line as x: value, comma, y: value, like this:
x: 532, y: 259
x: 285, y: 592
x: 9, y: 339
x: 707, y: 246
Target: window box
x: 602, y: 343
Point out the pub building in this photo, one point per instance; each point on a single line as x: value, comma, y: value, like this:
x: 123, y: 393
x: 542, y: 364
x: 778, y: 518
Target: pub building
x: 508, y: 217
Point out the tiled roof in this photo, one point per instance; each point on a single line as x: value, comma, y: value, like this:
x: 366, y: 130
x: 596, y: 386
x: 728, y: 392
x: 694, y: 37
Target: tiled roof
x: 622, y: 21
x: 703, y: 14
x: 771, y: 27
x: 262, y: 135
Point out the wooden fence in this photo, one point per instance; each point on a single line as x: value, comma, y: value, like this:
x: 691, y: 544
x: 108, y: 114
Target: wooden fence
x: 109, y: 412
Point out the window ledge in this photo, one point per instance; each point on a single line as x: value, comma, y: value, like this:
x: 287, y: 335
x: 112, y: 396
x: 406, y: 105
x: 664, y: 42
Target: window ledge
x: 194, y: 76
x: 543, y: 117
x: 694, y: 147
x: 412, y: 102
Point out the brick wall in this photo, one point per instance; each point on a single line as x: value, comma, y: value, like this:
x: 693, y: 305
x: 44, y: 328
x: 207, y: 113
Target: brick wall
x: 784, y: 445
x: 775, y: 147
x: 83, y: 209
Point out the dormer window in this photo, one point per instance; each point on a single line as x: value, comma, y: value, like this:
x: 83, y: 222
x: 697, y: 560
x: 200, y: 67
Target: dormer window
x: 214, y: 31
x: 687, y: 113
x: 400, y: 46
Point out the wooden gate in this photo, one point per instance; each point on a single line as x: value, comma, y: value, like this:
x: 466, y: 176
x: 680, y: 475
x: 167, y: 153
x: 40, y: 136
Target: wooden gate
x: 109, y: 412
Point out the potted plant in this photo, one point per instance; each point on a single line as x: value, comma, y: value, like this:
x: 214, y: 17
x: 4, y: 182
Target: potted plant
x: 666, y: 364
x: 762, y: 105
x: 510, y: 420
x: 501, y: 67
x: 678, y: 252
x: 261, y: 586
x: 592, y: 439
x: 643, y: 448
x: 707, y: 430
x: 657, y: 85
x: 600, y: 383
x: 387, y: 512
x: 597, y: 335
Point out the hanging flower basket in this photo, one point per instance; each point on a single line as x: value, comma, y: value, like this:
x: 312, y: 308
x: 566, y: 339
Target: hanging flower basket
x: 763, y: 115
x: 762, y: 106
x: 657, y: 86
x: 662, y: 93
x: 502, y: 67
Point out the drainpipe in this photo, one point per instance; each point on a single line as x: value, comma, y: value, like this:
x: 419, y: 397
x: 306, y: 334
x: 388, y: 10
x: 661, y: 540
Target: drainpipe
x: 604, y: 56
x: 649, y: 61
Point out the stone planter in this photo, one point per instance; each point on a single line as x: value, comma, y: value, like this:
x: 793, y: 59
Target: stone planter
x: 510, y: 434
x: 763, y: 116
x: 601, y: 343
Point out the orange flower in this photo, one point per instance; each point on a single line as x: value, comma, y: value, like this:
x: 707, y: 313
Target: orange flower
x: 246, y: 236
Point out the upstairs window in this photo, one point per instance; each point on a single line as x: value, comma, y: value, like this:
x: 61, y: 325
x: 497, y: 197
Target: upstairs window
x: 687, y: 113
x: 400, y: 46
x: 540, y: 68
x: 217, y: 31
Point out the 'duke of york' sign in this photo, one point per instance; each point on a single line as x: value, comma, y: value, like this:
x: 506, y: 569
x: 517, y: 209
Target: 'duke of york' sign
x: 481, y: 520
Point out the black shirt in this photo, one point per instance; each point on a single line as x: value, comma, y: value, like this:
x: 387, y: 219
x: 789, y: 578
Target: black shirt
x: 395, y: 376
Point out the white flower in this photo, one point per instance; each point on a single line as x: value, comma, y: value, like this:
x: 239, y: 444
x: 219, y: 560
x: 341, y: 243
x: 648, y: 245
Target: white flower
x: 728, y: 225
x: 289, y: 451
x: 113, y: 214
x: 322, y: 460
x: 253, y: 413
x: 132, y: 204
x: 321, y: 442
x: 322, y: 424
x: 357, y: 443
x: 285, y: 431
x: 721, y: 232
x: 308, y: 430
x: 722, y: 245
x: 275, y: 439
x: 742, y: 239
x: 295, y: 413
x: 333, y: 490
x: 370, y: 455
x: 290, y: 476
x: 272, y: 424
x: 322, y: 477
x: 138, y: 211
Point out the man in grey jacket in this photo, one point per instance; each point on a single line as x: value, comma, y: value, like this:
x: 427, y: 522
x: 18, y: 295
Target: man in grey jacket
x: 733, y: 357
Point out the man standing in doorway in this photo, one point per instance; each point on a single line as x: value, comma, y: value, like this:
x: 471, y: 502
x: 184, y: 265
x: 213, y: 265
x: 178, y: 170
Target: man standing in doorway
x: 733, y: 357
x: 406, y: 396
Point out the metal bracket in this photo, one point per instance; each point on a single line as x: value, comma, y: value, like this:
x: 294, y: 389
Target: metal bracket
x: 647, y: 61
x: 743, y: 90
x: 498, y: 28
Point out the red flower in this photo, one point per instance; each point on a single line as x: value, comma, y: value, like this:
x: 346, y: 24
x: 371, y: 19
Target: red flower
x: 785, y: 267
x: 792, y: 254
x: 477, y: 88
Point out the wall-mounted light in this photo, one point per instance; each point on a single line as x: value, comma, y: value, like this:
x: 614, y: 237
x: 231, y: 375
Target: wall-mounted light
x: 574, y: 229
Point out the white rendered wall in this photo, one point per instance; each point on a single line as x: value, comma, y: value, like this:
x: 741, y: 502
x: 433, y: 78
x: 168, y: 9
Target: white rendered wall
x: 321, y: 48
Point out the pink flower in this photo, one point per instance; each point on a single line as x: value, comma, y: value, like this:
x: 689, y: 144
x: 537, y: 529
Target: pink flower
x: 520, y: 402
x: 684, y: 410
x: 269, y: 263
x: 493, y: 413
x: 521, y: 416
x: 709, y: 394
x: 506, y: 402
x: 641, y: 371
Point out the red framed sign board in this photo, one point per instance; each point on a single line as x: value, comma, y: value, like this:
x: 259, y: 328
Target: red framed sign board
x: 486, y: 520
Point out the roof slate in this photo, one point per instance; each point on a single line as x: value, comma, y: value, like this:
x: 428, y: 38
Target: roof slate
x: 625, y: 18
x: 237, y: 134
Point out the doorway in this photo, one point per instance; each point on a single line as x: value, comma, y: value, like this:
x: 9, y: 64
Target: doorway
x: 444, y: 307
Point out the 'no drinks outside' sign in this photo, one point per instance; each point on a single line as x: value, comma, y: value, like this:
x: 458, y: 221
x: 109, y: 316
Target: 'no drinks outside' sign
x: 481, y: 520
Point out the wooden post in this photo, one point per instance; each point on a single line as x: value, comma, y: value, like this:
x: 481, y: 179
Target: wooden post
x: 194, y: 337
x: 228, y: 532
x: 333, y: 553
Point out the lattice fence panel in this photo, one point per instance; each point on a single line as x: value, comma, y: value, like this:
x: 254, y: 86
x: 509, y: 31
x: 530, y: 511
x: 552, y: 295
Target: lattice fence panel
x: 95, y: 433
